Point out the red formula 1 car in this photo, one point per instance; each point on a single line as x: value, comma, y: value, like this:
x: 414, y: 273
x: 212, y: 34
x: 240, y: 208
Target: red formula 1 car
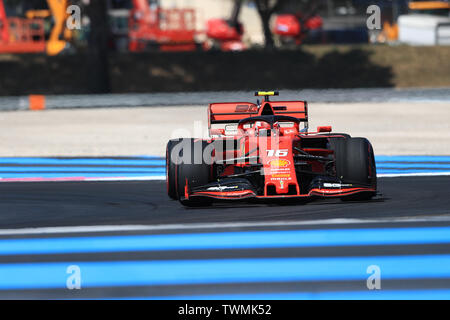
x: 265, y: 151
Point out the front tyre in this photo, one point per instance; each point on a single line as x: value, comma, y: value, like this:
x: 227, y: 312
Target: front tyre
x: 172, y: 191
x: 355, y: 164
x: 194, y: 171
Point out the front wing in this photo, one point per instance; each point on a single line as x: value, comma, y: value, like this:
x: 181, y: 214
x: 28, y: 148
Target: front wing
x: 235, y: 189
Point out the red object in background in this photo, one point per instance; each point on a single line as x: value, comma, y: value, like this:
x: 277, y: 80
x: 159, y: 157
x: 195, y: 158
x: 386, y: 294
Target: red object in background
x: 168, y: 29
x: 227, y: 36
x: 19, y: 35
x: 287, y: 25
x: 4, y: 33
x: 314, y: 23
x: 219, y: 29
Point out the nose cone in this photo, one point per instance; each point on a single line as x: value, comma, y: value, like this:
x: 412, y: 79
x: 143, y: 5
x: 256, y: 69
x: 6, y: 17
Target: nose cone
x: 278, y: 166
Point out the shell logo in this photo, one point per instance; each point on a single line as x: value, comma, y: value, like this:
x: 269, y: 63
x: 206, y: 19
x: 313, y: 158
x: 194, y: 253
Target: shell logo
x: 279, y: 163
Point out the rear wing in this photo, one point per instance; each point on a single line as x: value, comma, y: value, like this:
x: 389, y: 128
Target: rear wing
x: 233, y: 112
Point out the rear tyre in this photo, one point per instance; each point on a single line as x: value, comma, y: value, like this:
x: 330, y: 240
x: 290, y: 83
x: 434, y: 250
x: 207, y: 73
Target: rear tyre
x: 355, y: 164
x: 190, y: 174
x: 172, y: 191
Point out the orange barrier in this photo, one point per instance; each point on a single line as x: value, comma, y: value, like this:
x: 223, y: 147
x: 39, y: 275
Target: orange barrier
x: 36, y: 102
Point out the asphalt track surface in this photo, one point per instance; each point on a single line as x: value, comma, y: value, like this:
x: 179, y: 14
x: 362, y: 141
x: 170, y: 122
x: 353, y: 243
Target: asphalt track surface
x: 315, y: 250
x: 44, y: 204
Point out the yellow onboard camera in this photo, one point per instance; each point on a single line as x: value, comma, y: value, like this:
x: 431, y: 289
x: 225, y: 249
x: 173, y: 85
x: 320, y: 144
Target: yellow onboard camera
x: 266, y: 94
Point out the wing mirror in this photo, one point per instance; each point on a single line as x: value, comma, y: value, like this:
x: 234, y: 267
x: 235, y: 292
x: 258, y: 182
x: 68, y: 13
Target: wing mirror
x: 324, y: 129
x: 217, y: 132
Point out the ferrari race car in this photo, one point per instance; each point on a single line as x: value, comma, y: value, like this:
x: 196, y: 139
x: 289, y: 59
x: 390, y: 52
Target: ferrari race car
x: 265, y: 151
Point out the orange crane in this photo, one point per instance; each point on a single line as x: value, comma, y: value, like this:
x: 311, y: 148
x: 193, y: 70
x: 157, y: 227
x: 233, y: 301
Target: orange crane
x: 60, y: 35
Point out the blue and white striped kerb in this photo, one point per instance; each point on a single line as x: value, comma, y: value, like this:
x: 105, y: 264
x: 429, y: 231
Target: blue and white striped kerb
x: 129, y: 274
x: 412, y: 165
x: 153, y: 168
